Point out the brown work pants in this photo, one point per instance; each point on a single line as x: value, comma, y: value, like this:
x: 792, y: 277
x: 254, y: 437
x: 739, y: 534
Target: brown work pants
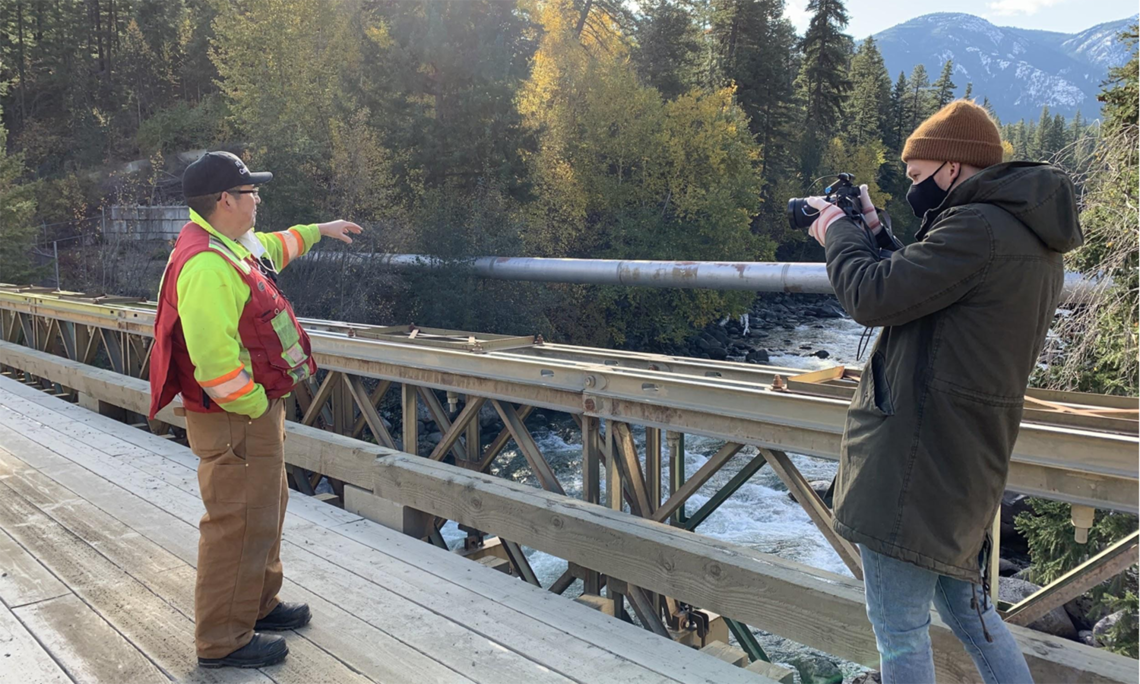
x: 241, y: 473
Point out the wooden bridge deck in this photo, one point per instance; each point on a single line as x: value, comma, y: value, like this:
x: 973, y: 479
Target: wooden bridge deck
x: 98, y: 542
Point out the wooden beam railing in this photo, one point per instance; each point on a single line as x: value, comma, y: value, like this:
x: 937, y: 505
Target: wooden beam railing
x: 809, y: 606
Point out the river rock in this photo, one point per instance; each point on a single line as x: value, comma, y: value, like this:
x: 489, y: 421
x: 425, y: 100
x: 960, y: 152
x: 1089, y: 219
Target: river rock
x: 822, y: 354
x: 758, y: 356
x: 1086, y: 637
x: 872, y: 677
x: 433, y: 439
x: 1023, y: 574
x: 820, y: 487
x: 1007, y: 567
x: 828, y: 310
x: 1012, y: 543
x: 1056, y: 622
x: 815, y: 669
x: 1081, y: 611
x: 488, y: 416
x: 737, y: 359
x: 1105, y: 624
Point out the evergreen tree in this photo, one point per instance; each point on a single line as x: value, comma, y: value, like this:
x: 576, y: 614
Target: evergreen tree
x: 17, y: 205
x: 899, y: 115
x: 1060, y: 133
x: 869, y: 106
x: 1048, y: 139
x: 667, y: 48
x: 969, y: 91
x: 823, y: 82
x: 755, y: 47
x: 919, y: 96
x: 943, y: 88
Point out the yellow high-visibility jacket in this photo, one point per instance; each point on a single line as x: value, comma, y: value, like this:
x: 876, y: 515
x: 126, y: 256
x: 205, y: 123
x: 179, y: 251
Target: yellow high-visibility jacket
x: 211, y: 297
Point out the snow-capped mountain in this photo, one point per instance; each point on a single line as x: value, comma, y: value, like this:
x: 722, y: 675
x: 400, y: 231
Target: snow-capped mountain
x: 1019, y: 70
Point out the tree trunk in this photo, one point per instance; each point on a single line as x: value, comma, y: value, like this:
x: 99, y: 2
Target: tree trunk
x: 20, y: 58
x: 582, y: 18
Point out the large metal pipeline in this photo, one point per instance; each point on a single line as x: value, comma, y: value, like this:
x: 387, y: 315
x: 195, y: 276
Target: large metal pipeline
x: 752, y: 276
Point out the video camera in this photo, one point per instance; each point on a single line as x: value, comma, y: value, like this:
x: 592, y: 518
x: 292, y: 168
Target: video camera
x: 843, y: 193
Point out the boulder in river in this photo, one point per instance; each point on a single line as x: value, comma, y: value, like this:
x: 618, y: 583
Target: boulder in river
x: 1056, y: 622
x: 815, y: 669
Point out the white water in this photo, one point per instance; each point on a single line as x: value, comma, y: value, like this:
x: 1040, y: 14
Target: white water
x: 760, y: 515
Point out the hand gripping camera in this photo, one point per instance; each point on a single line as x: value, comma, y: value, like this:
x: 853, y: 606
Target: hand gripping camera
x: 843, y: 193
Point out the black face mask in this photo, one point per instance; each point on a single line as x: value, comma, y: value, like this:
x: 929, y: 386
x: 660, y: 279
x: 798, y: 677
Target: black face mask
x: 924, y: 196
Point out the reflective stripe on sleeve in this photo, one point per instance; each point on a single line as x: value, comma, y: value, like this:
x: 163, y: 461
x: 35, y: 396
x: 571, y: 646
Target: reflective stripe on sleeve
x: 229, y: 387
x: 292, y: 245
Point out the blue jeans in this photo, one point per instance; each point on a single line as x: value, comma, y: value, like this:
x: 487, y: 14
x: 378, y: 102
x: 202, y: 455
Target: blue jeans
x: 899, y: 595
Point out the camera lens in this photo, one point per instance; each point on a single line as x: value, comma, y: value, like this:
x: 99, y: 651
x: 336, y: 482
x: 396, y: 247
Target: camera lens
x: 801, y: 214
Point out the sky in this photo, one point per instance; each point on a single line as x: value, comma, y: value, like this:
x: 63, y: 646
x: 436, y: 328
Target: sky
x: 1067, y: 16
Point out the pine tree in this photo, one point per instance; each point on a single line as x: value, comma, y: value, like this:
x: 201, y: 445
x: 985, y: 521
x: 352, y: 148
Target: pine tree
x: 870, y: 102
x: 826, y: 50
x: 896, y: 132
x: 17, y: 205
x: 919, y: 106
x: 667, y: 48
x: 943, y: 88
x: 1044, y: 141
x: 823, y: 82
x: 969, y: 91
x: 755, y: 48
x: 1060, y: 133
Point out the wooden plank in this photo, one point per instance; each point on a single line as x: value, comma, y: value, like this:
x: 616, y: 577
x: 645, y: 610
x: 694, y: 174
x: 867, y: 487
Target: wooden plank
x: 87, y: 647
x: 778, y: 673
x: 368, y: 411
x: 626, y: 457
x: 823, y: 375
x: 667, y: 657
x: 361, y: 646
x: 442, y: 422
x: 467, y: 417
x: 482, y: 652
x: 23, y: 579
x: 758, y: 589
x: 152, y: 624
x: 24, y: 660
x: 373, y: 399
x: 710, y: 468
x: 410, y: 418
x: 131, y: 552
x: 729, y: 654
x: 322, y: 395
x: 500, y: 442
x: 574, y: 656
x: 810, y: 501
x: 527, y: 445
x: 1107, y: 564
x: 83, y: 519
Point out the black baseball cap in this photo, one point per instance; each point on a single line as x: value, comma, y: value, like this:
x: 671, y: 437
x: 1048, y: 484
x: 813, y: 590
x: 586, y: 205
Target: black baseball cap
x: 216, y: 172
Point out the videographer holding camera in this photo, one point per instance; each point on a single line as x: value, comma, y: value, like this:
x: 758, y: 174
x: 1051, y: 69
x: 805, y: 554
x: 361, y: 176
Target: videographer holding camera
x: 929, y: 433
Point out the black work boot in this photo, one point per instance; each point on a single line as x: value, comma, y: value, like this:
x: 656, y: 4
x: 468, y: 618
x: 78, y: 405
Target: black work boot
x: 262, y: 650
x: 284, y: 617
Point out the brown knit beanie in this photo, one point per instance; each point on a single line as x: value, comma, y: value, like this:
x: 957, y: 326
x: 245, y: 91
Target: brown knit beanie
x: 959, y: 132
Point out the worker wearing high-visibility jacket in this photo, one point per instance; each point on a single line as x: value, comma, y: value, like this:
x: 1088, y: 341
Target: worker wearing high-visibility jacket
x: 228, y: 342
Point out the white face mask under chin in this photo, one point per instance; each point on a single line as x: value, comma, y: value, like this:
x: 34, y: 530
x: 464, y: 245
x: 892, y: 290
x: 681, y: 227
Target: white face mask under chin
x: 250, y: 242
